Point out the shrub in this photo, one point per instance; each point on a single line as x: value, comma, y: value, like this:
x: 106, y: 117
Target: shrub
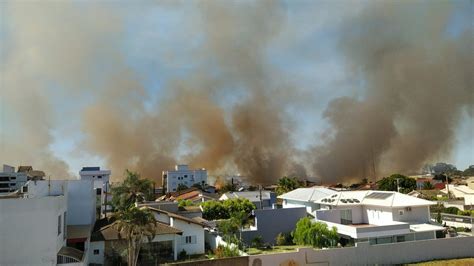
x: 226, y: 251
x: 316, y: 234
x: 257, y: 242
x: 283, y: 239
x: 182, y: 255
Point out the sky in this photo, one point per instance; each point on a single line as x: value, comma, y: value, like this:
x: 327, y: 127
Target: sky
x: 57, y: 62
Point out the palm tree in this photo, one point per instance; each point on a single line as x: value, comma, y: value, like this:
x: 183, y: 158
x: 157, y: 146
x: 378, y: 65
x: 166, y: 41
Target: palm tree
x: 135, y: 225
x: 133, y: 189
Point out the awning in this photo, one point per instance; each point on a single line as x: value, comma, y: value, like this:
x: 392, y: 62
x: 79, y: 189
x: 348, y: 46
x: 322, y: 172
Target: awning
x: 71, y: 253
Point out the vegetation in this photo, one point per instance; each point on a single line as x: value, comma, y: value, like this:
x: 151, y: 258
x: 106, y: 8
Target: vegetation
x: 184, y: 203
x: 257, y: 242
x: 427, y: 185
x: 453, y: 262
x: 286, y: 184
x: 226, y: 251
x: 466, y: 213
x: 406, y: 184
x: 315, y: 234
x: 215, y: 210
x: 442, y: 178
x: 132, y: 190
x: 283, y: 239
x: 181, y: 187
x: 136, y: 225
x: 272, y: 249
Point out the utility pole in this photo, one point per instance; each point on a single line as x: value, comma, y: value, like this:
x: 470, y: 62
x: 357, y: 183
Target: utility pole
x: 398, y: 185
x: 260, y: 190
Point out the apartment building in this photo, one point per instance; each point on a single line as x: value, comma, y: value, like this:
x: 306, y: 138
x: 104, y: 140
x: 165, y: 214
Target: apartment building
x: 182, y: 175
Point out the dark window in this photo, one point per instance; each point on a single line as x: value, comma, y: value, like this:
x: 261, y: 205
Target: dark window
x: 4, y: 178
x: 99, y: 176
x: 96, y: 252
x: 64, y: 225
x: 185, y: 176
x: 13, y: 178
x: 12, y: 184
x: 98, y: 191
x: 60, y: 224
x: 400, y: 238
x: 4, y: 185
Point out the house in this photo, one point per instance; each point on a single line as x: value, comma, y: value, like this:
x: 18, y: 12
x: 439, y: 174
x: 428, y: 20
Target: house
x: 11, y: 181
x: 193, y: 194
x: 464, y: 197
x: 268, y: 223
x: 377, y: 216
x: 101, y: 180
x: 192, y: 238
x: 305, y: 197
x: 34, y: 224
x: 106, y: 242
x: 182, y: 175
x: 261, y: 199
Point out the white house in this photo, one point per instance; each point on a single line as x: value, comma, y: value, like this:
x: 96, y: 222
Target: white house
x: 305, y: 197
x: 377, y: 216
x: 192, y: 238
x: 181, y: 175
x: 464, y: 194
x: 33, y: 228
x: 10, y: 180
x: 101, y: 179
x: 261, y: 199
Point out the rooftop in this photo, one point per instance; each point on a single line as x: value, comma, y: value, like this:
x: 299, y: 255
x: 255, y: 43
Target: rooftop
x: 250, y: 195
x: 307, y: 194
x: 373, y: 197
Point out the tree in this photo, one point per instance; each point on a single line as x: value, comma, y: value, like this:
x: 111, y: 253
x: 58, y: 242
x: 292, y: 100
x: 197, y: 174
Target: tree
x: 214, y: 210
x: 136, y: 225
x: 184, y: 203
x: 442, y: 178
x: 132, y: 190
x: 316, y: 234
x: 286, y: 184
x: 427, y: 185
x: 406, y: 184
x: 181, y: 187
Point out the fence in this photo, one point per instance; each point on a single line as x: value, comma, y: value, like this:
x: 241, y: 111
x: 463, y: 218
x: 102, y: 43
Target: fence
x: 455, y: 220
x: 366, y: 254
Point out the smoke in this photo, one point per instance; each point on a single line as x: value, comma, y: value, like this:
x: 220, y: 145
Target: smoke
x: 229, y: 113
x: 418, y: 80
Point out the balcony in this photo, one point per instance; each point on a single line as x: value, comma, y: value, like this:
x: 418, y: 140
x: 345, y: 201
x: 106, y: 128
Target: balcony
x: 358, y: 231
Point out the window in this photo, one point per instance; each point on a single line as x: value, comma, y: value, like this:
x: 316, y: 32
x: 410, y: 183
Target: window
x: 96, y: 252
x: 400, y: 212
x: 400, y: 238
x: 189, y: 240
x: 346, y: 216
x: 13, y: 178
x: 99, y: 176
x: 185, y: 176
x: 65, y: 225
x: 60, y: 224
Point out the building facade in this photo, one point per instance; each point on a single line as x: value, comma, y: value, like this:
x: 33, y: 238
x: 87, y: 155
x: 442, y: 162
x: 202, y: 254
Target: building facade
x: 182, y: 175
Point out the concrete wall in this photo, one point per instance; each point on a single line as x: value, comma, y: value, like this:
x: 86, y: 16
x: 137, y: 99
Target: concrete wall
x: 81, y: 202
x: 365, y: 254
x: 310, y: 206
x: 237, y: 261
x: 29, y: 230
x: 271, y: 222
x: 378, y: 215
x: 96, y: 258
x: 417, y: 214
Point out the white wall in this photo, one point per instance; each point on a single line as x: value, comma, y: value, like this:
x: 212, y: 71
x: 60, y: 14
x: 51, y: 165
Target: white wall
x: 193, y: 230
x: 29, y: 230
x: 365, y: 254
x: 310, y: 206
x: 81, y: 202
x: 417, y: 214
x: 378, y: 215
x: 96, y: 258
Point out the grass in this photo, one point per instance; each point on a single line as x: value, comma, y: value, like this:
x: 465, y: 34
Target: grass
x: 453, y: 262
x: 275, y: 249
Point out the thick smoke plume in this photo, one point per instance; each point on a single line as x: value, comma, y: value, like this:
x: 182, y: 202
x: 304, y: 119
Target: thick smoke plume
x: 229, y: 114
x: 418, y: 80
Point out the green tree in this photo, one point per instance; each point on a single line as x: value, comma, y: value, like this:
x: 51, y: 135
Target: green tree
x: 316, y: 234
x: 428, y: 186
x: 214, y: 210
x: 406, y: 184
x: 286, y: 184
x: 136, y: 225
x: 181, y: 187
x: 185, y: 202
x: 132, y: 190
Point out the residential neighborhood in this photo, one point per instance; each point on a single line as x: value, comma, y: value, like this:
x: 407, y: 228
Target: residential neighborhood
x: 192, y: 224
x: 236, y: 132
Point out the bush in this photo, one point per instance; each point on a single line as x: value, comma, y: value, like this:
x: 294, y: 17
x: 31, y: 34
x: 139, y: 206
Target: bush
x: 283, y: 239
x: 215, y: 210
x: 182, y: 255
x: 257, y: 242
x: 451, y: 210
x: 226, y: 251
